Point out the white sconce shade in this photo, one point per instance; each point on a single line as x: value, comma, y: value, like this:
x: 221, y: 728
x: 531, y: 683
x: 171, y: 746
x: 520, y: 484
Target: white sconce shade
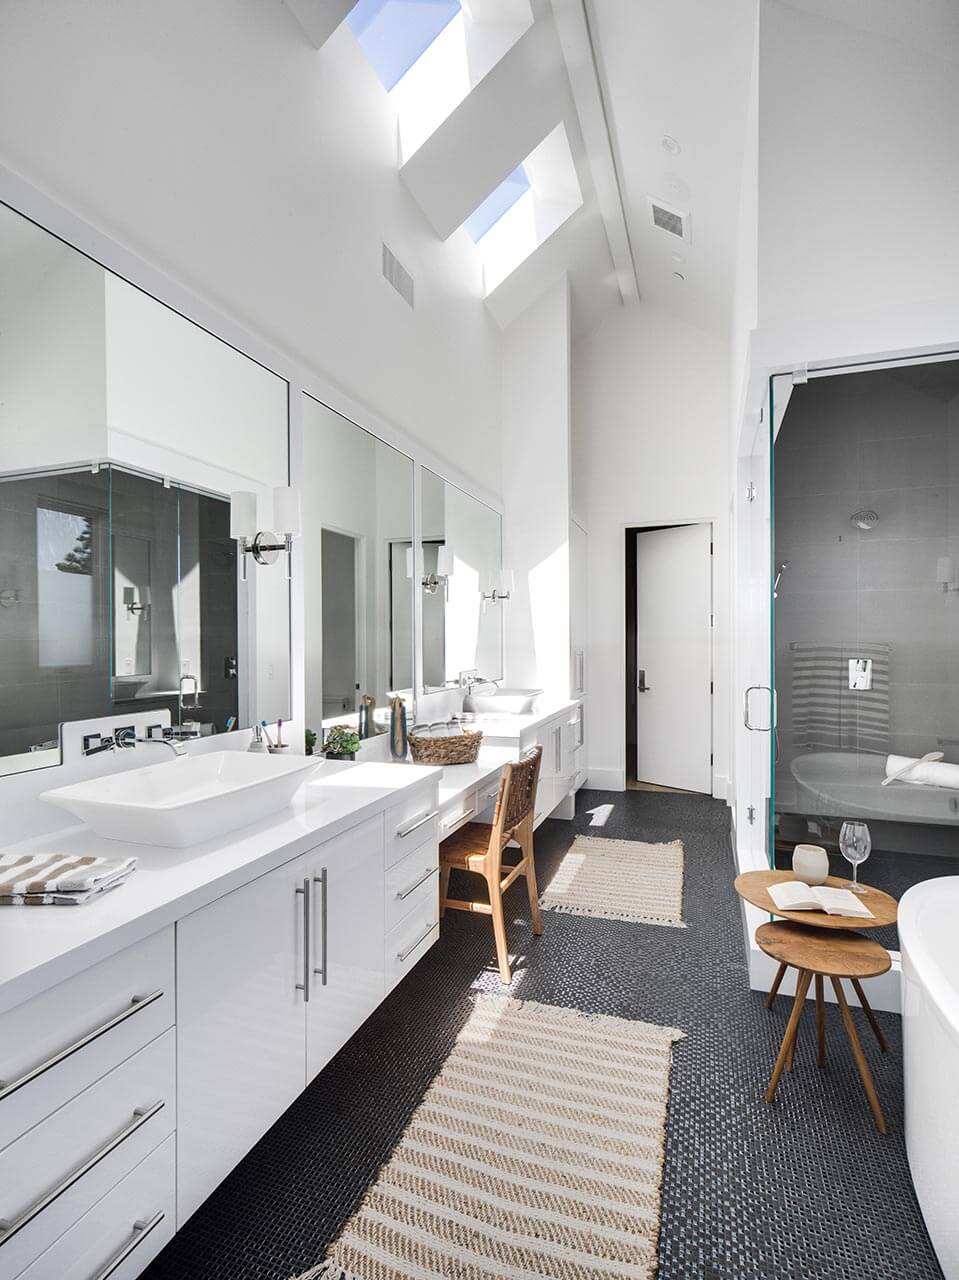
x: 444, y: 561
x: 242, y: 515
x: 287, y: 515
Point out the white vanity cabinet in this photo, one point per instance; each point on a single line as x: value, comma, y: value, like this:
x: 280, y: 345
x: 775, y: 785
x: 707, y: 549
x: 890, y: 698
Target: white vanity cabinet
x: 240, y: 1025
x: 345, y: 878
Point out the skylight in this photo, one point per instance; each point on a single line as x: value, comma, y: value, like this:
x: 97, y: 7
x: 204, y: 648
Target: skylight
x: 499, y: 200
x: 395, y: 33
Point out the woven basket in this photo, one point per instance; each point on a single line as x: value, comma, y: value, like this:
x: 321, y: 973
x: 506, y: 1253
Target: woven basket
x: 463, y: 748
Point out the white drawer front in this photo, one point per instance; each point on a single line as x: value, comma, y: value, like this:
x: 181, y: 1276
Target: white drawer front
x: 411, y: 883
x: 122, y: 1232
x: 52, y: 1175
x: 58, y: 1043
x: 411, y: 823
x: 456, y: 813
x: 413, y: 937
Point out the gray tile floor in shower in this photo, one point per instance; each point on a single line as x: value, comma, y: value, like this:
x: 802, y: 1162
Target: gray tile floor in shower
x: 807, y: 1188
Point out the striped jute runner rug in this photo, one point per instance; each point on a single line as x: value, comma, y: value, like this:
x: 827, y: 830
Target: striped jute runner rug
x: 619, y: 880
x: 537, y: 1151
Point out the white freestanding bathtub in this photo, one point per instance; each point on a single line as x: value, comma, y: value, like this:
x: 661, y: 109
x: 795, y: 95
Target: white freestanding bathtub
x: 929, y: 941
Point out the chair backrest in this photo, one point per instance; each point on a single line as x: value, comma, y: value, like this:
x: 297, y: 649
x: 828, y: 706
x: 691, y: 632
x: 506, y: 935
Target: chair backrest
x: 517, y: 794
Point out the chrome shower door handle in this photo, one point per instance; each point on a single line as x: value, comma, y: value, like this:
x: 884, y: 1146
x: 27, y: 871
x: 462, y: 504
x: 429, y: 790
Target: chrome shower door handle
x: 756, y: 728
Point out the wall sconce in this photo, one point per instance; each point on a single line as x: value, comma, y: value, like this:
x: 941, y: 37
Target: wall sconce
x: 444, y: 571
x: 945, y: 573
x: 502, y: 586
x: 265, y: 546
x: 132, y: 605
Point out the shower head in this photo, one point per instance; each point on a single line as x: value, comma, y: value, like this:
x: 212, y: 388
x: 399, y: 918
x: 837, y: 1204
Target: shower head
x: 864, y: 519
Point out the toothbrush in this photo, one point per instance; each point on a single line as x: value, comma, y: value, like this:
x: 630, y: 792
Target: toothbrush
x: 266, y: 734
x: 231, y: 723
x: 279, y: 733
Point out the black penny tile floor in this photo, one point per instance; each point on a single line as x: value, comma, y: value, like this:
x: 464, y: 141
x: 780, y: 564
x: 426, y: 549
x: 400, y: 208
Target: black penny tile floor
x: 805, y: 1189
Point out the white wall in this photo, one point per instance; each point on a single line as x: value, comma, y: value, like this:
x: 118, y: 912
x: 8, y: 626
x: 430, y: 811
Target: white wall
x: 536, y: 492
x: 858, y: 181
x: 650, y: 432
x: 216, y: 142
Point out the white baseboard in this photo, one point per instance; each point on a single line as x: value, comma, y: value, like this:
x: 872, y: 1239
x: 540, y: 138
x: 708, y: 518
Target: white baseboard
x: 722, y: 788
x: 605, y: 780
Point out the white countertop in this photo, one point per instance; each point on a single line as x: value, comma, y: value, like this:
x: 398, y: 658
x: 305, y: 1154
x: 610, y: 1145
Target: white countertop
x: 40, y: 946
x: 460, y: 778
x: 512, y: 727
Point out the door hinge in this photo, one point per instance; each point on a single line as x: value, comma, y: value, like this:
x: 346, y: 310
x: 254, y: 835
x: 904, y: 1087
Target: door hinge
x: 751, y: 492
x: 751, y: 814
x: 710, y: 759
x: 711, y: 548
x: 712, y: 687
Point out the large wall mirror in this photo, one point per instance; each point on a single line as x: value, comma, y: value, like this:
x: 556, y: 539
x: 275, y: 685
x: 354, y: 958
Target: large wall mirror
x: 357, y: 541
x: 462, y: 562
x: 124, y: 428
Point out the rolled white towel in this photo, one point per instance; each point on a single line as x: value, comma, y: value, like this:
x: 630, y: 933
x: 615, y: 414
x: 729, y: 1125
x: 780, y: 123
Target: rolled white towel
x: 928, y: 773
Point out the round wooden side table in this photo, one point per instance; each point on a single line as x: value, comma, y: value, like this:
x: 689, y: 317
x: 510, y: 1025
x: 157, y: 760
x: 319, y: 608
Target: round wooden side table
x: 816, y: 953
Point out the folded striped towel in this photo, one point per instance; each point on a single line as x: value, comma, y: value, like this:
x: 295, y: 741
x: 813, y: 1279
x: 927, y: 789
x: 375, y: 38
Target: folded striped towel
x: 55, y: 879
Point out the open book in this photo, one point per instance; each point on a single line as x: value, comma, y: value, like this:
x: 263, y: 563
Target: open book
x: 793, y: 895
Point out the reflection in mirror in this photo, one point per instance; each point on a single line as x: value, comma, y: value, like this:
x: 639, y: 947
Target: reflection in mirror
x: 123, y: 428
x: 357, y: 527
x: 462, y: 555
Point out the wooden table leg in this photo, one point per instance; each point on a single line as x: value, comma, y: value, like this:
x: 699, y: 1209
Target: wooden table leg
x: 776, y: 984
x: 860, y: 1057
x: 802, y: 986
x: 870, y: 1015
x: 820, y: 1024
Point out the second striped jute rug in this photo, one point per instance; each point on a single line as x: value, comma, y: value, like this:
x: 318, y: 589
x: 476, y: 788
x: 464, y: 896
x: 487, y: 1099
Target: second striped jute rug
x: 536, y: 1152
x: 619, y: 880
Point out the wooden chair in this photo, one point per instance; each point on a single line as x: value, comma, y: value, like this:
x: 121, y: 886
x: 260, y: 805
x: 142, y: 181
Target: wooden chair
x: 478, y: 847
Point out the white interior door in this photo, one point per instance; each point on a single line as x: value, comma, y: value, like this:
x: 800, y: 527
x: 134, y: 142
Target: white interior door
x: 673, y: 657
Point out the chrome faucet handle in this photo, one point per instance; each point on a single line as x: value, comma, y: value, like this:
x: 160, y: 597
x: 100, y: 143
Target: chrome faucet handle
x: 95, y: 743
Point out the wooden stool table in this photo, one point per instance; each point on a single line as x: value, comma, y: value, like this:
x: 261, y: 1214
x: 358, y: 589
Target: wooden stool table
x: 816, y: 953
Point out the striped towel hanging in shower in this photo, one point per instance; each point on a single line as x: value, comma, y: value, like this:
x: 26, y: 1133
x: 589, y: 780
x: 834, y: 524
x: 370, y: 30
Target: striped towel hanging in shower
x: 826, y: 713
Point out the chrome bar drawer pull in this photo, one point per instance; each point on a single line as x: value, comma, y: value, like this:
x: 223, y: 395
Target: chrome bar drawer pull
x: 460, y: 817
x: 405, y: 893
x: 403, y: 956
x: 304, y: 986
x: 140, y: 1117
x: 322, y: 882
x: 403, y: 832
x: 136, y: 1004
x: 141, y: 1229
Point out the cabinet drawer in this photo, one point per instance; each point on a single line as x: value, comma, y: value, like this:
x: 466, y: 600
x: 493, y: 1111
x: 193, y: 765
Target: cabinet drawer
x: 122, y: 1232
x: 58, y: 1043
x: 456, y: 813
x: 52, y: 1175
x: 411, y: 939
x: 407, y: 880
x: 411, y: 823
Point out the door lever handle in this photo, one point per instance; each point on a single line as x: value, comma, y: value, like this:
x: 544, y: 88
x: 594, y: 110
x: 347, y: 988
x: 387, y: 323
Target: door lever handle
x: 642, y: 686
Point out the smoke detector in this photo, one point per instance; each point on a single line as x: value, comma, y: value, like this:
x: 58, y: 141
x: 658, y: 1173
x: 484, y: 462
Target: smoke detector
x: 667, y: 218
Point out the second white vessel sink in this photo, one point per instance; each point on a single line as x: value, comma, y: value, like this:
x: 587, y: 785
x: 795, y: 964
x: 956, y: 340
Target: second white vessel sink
x: 510, y: 702
x: 185, y: 801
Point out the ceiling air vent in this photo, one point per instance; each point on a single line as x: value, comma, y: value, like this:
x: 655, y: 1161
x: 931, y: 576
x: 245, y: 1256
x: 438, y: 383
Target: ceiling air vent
x: 675, y: 221
x: 398, y: 276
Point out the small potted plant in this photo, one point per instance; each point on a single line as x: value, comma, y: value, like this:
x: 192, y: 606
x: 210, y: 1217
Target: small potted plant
x: 310, y: 737
x: 342, y: 743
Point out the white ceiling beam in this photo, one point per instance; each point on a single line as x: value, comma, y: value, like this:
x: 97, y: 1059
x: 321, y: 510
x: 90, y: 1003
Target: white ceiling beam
x: 572, y: 25
x: 319, y: 18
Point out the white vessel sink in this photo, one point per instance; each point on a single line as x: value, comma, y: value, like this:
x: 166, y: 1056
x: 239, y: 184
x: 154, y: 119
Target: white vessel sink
x: 500, y: 702
x: 184, y: 801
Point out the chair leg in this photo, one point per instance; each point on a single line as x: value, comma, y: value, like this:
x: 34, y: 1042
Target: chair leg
x: 499, y: 930
x: 867, y: 1010
x: 802, y: 986
x: 820, y: 1023
x: 777, y: 982
x: 444, y: 888
x: 860, y: 1057
x: 531, y: 888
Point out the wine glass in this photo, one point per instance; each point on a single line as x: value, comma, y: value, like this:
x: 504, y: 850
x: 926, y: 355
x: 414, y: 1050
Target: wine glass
x: 855, y: 844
